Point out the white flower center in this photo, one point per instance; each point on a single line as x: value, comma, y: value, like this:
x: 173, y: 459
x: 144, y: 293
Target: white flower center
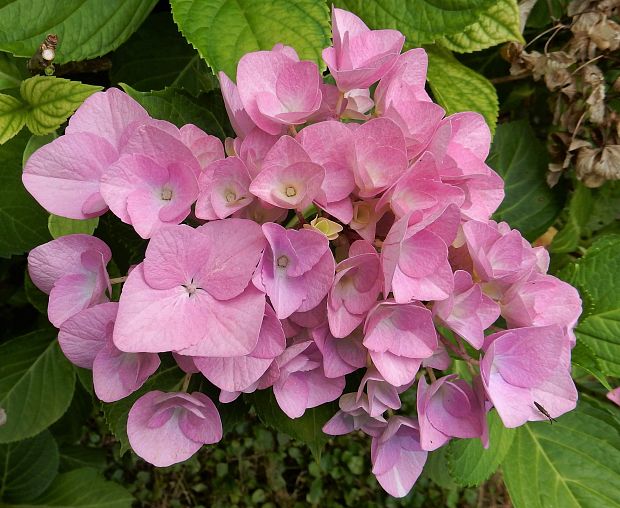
x: 282, y: 261
x: 166, y: 194
x: 290, y: 191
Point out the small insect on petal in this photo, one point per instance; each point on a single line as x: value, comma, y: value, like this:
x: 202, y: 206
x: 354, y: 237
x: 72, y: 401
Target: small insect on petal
x: 545, y: 412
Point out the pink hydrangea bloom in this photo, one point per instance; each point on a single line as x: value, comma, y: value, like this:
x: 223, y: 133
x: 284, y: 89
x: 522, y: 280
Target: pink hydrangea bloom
x: 288, y: 178
x: 415, y: 264
x: 86, y: 340
x: 296, y: 269
x: 381, y: 394
x: 190, y: 287
x: 341, y: 356
x: 154, y: 187
x: 71, y: 270
x: 614, y: 396
x: 238, y: 373
x: 360, y: 56
x: 398, y: 337
x: 63, y: 176
x: 526, y: 365
x: 448, y: 408
x: 302, y: 383
x: 276, y: 89
x: 500, y: 255
x: 354, y: 415
x: 408, y: 75
x: 355, y: 289
x: 467, y: 311
x: 397, y: 458
x: 239, y: 118
x: 542, y: 300
x: 166, y: 428
x: 224, y: 189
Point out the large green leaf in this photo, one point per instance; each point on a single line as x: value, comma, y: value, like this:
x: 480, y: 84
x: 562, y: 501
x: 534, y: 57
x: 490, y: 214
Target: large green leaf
x: 459, y: 88
x: 46, y: 102
x: 157, y: 56
x: 12, y: 117
x: 36, y: 384
x: 499, y: 23
x: 167, y: 380
x: 470, y: 463
x: 61, y: 226
x: 12, y: 71
x: 23, y: 223
x: 82, y: 488
x: 28, y: 467
x: 578, y: 213
x: 85, y: 28
x: 574, y: 463
x: 224, y: 30
x: 180, y: 108
x: 422, y: 21
x: 598, y: 273
x: 307, y: 428
x: 521, y: 159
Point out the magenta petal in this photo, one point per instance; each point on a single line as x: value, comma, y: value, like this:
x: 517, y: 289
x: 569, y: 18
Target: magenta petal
x: 117, y: 374
x: 63, y: 175
x: 83, y: 335
x: 235, y: 247
x: 206, y: 428
x: 108, y: 114
x: 63, y: 256
x: 189, y: 422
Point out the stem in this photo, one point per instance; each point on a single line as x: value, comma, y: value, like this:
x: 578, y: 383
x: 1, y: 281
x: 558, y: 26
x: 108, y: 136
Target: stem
x: 431, y: 374
x: 292, y: 130
x: 496, y: 328
x: 300, y: 217
x: 118, y: 280
x: 507, y: 79
x: 339, y: 103
x: 186, y: 382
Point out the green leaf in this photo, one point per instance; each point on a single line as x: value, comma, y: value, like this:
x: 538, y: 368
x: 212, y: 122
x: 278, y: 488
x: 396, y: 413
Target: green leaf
x: 46, y: 102
x: 574, y: 463
x: 61, y: 226
x: 12, y: 71
x: 598, y: 272
x: 167, y: 380
x: 50, y: 101
x: 583, y: 356
x: 37, y: 298
x: 157, y: 56
x: 421, y: 21
x: 458, y: 88
x: 436, y: 468
x: 85, y: 28
x: 78, y: 456
x: 28, y: 467
x: 578, y: 213
x: 178, y: 107
x: 499, y: 23
x: 82, y: 488
x: 36, y: 384
x: 307, y: 428
x: 521, y: 160
x: 12, y: 117
x: 23, y: 223
x: 470, y: 463
x: 224, y: 30
x: 545, y: 13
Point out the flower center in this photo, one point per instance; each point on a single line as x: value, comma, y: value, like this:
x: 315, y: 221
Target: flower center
x: 282, y: 261
x: 166, y: 194
x: 290, y: 191
x: 191, y: 288
x: 231, y: 197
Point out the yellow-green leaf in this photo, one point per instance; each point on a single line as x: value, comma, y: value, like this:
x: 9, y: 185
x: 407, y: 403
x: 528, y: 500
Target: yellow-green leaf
x: 12, y: 117
x: 51, y: 101
x: 499, y: 23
